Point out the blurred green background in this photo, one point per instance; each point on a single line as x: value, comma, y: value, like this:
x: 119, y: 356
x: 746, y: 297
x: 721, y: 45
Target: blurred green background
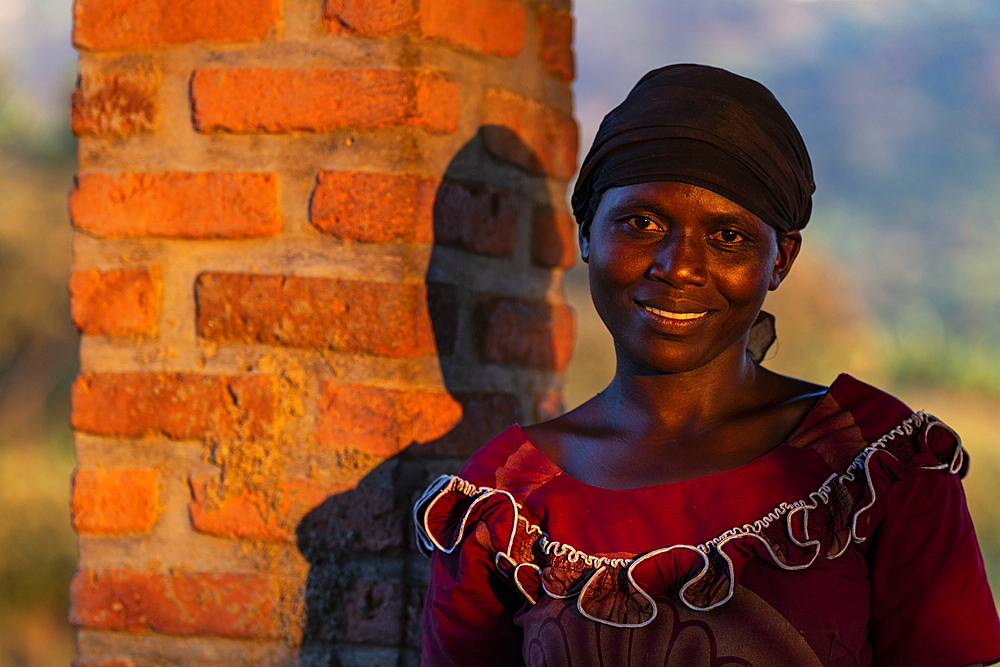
x: 898, y: 282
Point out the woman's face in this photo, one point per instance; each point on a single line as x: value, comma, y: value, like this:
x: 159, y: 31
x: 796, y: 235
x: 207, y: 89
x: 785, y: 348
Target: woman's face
x: 679, y: 273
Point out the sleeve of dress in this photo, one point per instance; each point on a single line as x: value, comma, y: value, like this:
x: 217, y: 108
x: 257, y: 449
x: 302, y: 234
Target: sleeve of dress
x: 930, y: 601
x: 468, y: 611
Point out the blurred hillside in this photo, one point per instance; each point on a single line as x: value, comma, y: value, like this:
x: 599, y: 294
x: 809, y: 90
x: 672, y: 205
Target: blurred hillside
x: 37, y: 363
x: 897, y: 284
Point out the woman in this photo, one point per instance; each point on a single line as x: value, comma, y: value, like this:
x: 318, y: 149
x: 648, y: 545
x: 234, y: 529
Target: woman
x: 703, y: 510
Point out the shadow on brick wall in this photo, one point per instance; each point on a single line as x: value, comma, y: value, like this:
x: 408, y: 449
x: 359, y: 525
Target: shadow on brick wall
x: 492, y: 220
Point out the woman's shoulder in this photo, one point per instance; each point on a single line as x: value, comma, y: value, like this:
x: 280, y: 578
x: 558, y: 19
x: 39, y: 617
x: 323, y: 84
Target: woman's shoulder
x: 507, y: 458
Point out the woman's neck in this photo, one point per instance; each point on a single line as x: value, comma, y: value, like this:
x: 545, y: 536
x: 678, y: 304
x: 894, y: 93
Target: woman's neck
x: 685, y: 401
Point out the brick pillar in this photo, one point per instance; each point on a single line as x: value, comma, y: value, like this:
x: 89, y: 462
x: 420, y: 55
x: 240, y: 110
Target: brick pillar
x: 317, y: 262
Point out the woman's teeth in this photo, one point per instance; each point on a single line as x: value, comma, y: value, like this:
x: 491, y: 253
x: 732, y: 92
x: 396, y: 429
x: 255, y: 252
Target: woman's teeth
x: 675, y: 316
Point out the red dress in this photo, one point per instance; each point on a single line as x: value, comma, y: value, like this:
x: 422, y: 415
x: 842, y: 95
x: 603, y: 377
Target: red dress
x: 848, y: 544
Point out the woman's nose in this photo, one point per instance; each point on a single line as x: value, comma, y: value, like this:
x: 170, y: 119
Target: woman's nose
x: 679, y: 261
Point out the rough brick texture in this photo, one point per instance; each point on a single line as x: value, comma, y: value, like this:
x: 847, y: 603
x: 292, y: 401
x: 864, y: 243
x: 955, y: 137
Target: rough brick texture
x: 477, y: 217
x: 555, y: 42
x: 486, y: 26
x: 253, y: 515
x: 373, y: 207
x: 529, y: 134
x: 114, y: 501
x: 484, y: 415
x: 314, y: 100
x: 176, y: 204
x: 375, y: 613
x: 117, y: 104
x: 176, y: 405
x: 553, y: 238
x: 352, y: 316
x: 529, y: 334
x: 369, y: 17
x: 379, y: 420
x: 122, y: 24
x: 189, y: 603
x: 116, y: 302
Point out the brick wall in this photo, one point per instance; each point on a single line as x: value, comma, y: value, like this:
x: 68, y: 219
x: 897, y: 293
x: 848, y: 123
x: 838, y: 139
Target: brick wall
x: 317, y: 262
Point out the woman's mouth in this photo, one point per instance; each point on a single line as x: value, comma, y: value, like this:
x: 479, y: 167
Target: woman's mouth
x: 675, y: 316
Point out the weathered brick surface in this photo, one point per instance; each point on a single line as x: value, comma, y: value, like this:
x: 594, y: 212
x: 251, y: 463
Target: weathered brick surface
x: 190, y: 603
x: 116, y: 104
x: 374, y: 208
x: 555, y: 42
x: 114, y: 501
x: 176, y: 405
x: 477, y: 217
x: 369, y: 17
x: 487, y: 26
x: 176, y: 204
x: 315, y: 100
x: 101, y: 663
x: 375, y: 613
x: 369, y: 518
x: 553, y: 238
x: 116, y: 302
x: 484, y: 415
x: 252, y: 515
x: 380, y: 420
x: 526, y: 333
x: 122, y: 24
x: 529, y: 134
x: 352, y: 316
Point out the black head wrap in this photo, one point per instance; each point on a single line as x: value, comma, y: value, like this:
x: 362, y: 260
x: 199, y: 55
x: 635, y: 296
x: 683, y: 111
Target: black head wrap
x: 707, y: 127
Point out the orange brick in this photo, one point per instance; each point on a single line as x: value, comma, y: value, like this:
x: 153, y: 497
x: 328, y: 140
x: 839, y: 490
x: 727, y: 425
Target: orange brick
x: 529, y: 134
x: 553, y: 238
x: 374, y: 208
x: 116, y: 302
x: 253, y: 515
x: 114, y: 501
x: 315, y: 100
x: 181, y: 406
x: 526, y: 333
x: 101, y: 663
x: 477, y: 217
x: 484, y: 415
x: 549, y: 405
x: 382, y: 421
x: 117, y: 104
x: 176, y: 204
x: 495, y: 27
x: 121, y: 24
x: 186, y: 603
x: 555, y: 42
x: 351, y: 316
x: 369, y: 17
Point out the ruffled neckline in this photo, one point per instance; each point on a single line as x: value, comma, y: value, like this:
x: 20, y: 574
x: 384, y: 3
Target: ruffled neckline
x: 619, y: 591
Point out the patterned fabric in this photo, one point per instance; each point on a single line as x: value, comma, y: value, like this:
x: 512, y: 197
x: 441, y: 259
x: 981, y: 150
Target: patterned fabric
x: 777, y: 562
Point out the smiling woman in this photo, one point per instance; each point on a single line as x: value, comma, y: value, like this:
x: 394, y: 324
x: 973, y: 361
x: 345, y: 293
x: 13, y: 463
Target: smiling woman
x: 702, y: 510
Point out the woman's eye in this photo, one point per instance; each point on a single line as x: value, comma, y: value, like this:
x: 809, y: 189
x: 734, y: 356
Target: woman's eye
x: 643, y: 223
x: 728, y: 236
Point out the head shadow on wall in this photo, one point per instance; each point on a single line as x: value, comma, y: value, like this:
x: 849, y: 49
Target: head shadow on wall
x: 496, y: 235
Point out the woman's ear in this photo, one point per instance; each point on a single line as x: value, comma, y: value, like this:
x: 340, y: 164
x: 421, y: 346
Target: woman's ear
x: 788, y: 250
x: 584, y: 238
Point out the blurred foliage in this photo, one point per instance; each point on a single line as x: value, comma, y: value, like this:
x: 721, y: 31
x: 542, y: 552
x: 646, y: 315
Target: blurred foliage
x: 38, y: 360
